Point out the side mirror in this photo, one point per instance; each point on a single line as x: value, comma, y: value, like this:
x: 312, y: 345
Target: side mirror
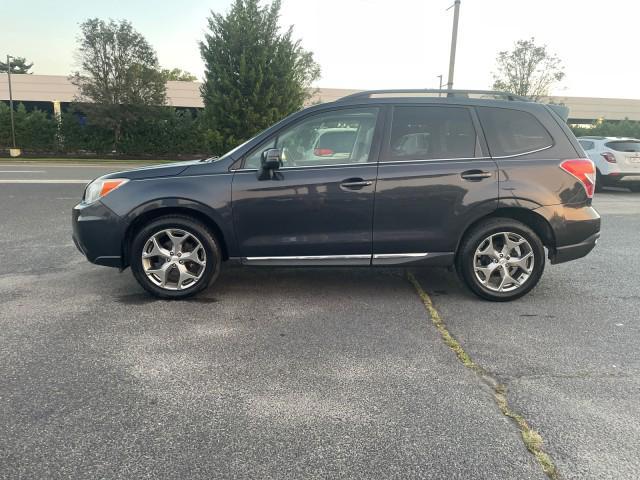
x: 271, y: 159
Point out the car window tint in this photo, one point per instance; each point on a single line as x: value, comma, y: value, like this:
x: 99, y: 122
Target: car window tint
x: 429, y: 132
x: 586, y: 144
x: 512, y: 132
x: 624, y: 146
x: 337, y: 141
x: 253, y: 159
x: 328, y: 138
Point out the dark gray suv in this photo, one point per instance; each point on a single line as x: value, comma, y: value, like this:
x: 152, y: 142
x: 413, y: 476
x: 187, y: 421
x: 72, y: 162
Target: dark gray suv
x: 483, y: 181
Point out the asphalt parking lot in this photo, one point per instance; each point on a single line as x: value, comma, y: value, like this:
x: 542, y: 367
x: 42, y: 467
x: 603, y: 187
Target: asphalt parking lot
x: 310, y: 373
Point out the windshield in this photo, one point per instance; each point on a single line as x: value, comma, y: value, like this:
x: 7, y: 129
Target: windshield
x: 233, y: 150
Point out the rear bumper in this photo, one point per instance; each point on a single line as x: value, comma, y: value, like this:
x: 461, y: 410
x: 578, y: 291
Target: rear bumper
x: 620, y: 178
x: 97, y: 233
x: 577, y: 250
x: 576, y: 229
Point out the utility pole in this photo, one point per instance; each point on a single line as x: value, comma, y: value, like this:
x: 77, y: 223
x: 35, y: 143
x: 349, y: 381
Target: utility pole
x: 13, y: 127
x: 454, y: 40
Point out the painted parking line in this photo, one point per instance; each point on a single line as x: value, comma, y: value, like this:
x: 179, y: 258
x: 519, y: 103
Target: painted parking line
x: 18, y: 180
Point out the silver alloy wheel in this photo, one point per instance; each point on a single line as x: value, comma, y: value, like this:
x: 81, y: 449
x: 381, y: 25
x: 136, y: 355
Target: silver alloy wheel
x: 174, y: 259
x: 503, y: 261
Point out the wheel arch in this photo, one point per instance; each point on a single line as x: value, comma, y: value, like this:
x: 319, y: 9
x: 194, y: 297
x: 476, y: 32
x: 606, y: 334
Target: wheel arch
x: 539, y: 224
x: 153, y: 210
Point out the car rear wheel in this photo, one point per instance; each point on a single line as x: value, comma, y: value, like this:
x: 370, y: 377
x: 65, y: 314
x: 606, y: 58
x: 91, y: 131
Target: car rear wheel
x: 501, y: 260
x: 175, y: 257
x: 599, y: 182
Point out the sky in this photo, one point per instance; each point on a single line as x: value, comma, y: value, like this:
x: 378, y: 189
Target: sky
x: 365, y: 44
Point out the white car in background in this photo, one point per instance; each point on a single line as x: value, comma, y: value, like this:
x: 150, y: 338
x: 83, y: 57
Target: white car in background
x: 617, y: 161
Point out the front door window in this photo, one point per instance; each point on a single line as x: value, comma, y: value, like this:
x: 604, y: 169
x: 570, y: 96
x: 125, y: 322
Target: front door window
x: 332, y: 138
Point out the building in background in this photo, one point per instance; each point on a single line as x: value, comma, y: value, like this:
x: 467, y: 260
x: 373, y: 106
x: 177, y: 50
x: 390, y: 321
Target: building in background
x: 45, y: 91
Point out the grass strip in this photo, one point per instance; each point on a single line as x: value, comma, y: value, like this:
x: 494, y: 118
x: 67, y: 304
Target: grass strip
x: 532, y: 439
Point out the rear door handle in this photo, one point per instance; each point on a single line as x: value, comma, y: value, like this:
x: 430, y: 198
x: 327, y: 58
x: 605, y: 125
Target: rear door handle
x: 355, y: 183
x: 475, y: 175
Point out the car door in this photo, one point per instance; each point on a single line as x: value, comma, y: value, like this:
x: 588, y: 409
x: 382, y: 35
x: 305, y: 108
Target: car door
x: 433, y: 181
x: 318, y: 207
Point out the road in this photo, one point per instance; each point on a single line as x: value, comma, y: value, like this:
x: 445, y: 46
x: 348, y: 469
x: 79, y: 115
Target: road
x: 55, y: 172
x: 327, y: 373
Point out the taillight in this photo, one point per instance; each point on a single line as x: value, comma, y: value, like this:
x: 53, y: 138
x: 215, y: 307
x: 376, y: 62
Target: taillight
x: 322, y: 152
x: 609, y: 157
x: 584, y: 170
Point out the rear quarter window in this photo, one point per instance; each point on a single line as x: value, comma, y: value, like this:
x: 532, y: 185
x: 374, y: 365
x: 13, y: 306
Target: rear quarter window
x: 624, y: 146
x: 512, y: 132
x: 587, y: 144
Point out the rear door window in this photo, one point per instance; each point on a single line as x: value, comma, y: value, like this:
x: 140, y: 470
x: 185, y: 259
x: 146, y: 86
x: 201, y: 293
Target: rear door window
x: 624, y: 145
x: 431, y: 132
x: 512, y: 132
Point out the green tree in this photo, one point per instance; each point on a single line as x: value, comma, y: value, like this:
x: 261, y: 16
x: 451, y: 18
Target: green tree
x: 178, y: 75
x: 608, y: 128
x: 118, y: 76
x: 35, y: 130
x: 19, y: 66
x: 254, y: 73
x: 528, y: 70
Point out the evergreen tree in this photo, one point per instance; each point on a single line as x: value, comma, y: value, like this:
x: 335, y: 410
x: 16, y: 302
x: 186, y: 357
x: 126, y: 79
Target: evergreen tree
x: 254, y: 73
x: 19, y: 66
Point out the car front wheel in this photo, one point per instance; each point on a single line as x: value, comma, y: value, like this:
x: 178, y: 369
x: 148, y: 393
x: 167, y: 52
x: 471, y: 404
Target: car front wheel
x: 175, y: 257
x: 501, y: 260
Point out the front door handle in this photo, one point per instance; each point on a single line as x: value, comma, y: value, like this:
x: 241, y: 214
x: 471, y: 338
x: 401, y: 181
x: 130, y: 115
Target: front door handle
x: 475, y: 175
x: 355, y: 183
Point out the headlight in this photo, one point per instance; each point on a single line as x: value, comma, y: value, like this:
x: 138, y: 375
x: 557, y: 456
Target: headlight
x: 101, y: 187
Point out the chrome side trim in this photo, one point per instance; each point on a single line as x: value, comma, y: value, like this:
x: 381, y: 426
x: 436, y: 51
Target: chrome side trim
x: 341, y: 260
x: 433, y: 160
x: 310, y: 260
x: 309, y: 257
x: 525, y: 153
x: 400, y: 255
x: 397, y: 258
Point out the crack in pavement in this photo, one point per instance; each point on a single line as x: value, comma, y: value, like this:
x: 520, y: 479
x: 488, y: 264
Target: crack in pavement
x: 531, y: 438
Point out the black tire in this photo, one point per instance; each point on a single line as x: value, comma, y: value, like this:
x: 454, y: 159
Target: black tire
x: 193, y: 227
x: 635, y: 187
x: 465, y: 259
x: 599, y: 182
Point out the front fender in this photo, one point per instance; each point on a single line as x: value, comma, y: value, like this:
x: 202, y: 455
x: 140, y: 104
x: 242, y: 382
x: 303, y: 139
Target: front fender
x: 207, y: 195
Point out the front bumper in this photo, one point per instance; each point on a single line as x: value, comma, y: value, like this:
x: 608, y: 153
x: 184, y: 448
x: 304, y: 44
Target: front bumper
x: 97, y: 233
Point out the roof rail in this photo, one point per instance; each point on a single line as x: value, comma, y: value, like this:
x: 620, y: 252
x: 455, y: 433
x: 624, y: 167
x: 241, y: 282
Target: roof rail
x: 441, y: 93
